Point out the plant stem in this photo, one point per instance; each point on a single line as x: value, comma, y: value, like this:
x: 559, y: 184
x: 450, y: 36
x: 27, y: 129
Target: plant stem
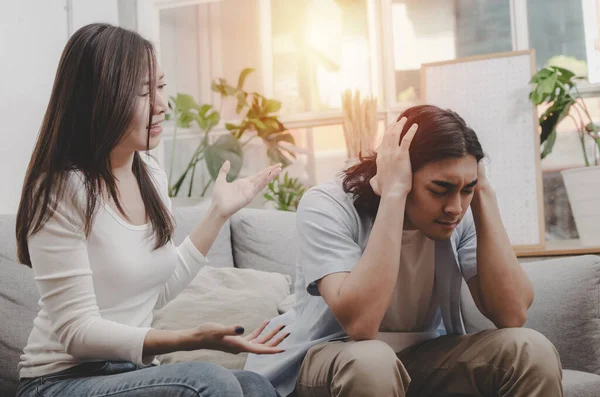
x: 248, y: 141
x: 192, y: 181
x: 206, y: 188
x: 582, y: 139
x: 173, y: 144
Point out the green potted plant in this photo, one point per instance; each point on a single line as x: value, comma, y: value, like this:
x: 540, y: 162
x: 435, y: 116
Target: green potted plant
x: 556, y: 88
x: 258, y: 120
x: 284, y: 195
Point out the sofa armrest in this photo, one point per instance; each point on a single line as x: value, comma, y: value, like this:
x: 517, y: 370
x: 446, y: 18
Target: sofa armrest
x: 566, y: 308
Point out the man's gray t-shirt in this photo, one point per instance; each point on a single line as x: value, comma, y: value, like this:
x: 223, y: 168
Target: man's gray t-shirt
x: 331, y: 237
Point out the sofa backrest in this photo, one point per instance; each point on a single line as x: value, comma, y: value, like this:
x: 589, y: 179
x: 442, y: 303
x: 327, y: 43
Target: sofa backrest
x: 265, y: 240
x: 18, y: 306
x: 566, y: 309
x: 8, y: 242
x: 186, y: 220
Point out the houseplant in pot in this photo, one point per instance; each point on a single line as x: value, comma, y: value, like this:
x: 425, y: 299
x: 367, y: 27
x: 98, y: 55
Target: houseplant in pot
x: 258, y: 119
x: 555, y: 87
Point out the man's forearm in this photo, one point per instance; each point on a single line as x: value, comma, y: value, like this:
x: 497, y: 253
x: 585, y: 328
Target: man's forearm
x: 367, y: 290
x: 505, y: 290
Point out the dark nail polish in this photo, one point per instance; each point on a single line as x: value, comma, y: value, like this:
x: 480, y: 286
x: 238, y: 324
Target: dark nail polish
x: 239, y: 330
x: 285, y: 337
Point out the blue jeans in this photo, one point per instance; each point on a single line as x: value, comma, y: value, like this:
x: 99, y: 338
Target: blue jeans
x: 124, y: 379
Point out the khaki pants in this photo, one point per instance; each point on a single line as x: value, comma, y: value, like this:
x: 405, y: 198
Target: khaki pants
x: 516, y: 362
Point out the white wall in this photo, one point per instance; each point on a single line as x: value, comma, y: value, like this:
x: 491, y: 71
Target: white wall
x: 32, y: 36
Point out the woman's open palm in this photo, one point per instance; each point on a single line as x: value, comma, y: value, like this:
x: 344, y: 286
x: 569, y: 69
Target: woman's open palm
x: 230, y: 197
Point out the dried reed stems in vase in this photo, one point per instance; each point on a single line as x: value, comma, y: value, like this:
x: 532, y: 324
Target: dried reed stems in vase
x: 360, y: 123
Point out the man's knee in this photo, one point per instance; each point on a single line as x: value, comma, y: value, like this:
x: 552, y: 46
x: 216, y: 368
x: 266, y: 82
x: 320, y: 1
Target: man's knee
x: 532, y: 350
x: 370, y: 364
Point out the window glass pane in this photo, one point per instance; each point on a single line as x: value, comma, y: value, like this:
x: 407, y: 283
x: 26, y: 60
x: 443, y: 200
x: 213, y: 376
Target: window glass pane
x: 320, y: 48
x: 201, y: 43
x: 556, y: 28
x: 437, y: 30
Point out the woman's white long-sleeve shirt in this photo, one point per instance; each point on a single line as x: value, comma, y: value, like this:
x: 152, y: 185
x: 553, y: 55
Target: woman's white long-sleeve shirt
x: 98, y: 293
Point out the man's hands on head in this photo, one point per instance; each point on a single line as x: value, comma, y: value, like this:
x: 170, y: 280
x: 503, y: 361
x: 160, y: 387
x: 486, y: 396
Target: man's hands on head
x: 394, y: 171
x: 360, y: 297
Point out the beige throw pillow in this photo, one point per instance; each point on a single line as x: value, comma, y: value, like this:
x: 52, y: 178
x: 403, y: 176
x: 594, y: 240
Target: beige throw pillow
x: 229, y: 296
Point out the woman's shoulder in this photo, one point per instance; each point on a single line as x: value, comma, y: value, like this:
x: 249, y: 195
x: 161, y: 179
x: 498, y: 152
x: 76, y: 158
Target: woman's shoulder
x: 153, y: 166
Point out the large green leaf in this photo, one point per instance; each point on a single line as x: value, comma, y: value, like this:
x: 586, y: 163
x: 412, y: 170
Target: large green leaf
x: 285, y: 137
x: 549, y: 143
x: 241, y: 101
x: 204, y: 109
x: 564, y: 75
x: 242, y: 79
x: 185, y: 102
x: 273, y: 125
x: 548, y: 86
x: 276, y: 156
x: 225, y: 148
x: 271, y: 106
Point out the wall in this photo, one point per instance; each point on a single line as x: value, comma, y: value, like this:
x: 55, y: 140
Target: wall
x: 32, y: 36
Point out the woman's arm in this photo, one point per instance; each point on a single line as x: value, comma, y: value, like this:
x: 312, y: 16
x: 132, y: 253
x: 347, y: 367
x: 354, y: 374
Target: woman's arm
x: 228, y: 198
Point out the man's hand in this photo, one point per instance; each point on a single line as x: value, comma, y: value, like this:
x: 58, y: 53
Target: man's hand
x: 483, y: 183
x: 394, y: 171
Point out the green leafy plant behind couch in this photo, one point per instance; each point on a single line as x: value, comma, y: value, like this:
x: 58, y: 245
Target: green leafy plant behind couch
x: 285, y: 194
x: 258, y: 115
x: 556, y: 87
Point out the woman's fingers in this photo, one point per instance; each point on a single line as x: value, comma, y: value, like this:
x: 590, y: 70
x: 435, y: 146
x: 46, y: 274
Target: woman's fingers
x: 254, y: 334
x: 277, y: 339
x: 268, y: 336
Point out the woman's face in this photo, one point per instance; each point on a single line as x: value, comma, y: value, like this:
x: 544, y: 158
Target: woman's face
x: 136, y: 138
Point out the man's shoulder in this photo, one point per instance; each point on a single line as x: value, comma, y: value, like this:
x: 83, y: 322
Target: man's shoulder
x: 327, y: 195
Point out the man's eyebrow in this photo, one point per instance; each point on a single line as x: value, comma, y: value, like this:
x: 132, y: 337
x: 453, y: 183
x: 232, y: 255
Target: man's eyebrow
x: 472, y: 184
x: 162, y: 76
x: 450, y: 185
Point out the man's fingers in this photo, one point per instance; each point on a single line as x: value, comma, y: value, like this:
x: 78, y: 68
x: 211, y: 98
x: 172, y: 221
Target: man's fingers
x: 408, y: 137
x: 396, y: 131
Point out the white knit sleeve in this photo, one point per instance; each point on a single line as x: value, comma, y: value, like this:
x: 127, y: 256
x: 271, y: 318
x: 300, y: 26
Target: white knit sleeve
x: 62, y: 272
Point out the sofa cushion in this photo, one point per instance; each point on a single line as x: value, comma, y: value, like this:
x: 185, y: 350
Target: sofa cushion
x: 187, y: 218
x: 18, y: 308
x: 8, y: 241
x: 580, y: 384
x: 566, y: 309
x: 264, y: 240
x: 227, y: 296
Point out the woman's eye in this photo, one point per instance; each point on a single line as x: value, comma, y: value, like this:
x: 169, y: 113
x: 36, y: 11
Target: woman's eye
x: 438, y: 193
x: 469, y: 191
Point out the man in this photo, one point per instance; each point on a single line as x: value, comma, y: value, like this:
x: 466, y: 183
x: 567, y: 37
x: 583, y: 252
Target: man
x: 381, y: 257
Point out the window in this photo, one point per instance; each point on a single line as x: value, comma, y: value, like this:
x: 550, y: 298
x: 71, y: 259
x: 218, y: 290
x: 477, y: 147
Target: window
x: 307, y: 52
x: 556, y: 28
x: 438, y: 30
x: 319, y: 49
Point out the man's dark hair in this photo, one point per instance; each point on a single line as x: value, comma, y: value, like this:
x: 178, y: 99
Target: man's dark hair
x: 442, y: 134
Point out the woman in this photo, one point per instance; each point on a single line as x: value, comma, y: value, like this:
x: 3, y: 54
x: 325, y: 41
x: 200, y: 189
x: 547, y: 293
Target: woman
x: 94, y: 223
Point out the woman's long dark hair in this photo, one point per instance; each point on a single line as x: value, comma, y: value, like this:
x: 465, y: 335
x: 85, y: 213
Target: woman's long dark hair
x: 442, y: 134
x: 91, y: 109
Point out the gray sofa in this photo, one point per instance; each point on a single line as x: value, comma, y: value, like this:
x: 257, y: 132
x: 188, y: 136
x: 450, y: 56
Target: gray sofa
x: 566, y: 308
